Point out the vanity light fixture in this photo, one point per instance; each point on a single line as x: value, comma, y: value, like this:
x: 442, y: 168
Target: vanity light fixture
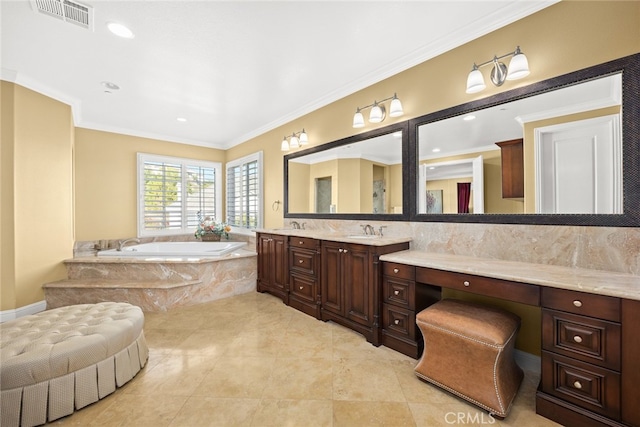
x: 378, y: 112
x: 295, y: 140
x: 518, y: 68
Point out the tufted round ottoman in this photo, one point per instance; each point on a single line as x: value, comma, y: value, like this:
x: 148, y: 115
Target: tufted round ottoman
x: 66, y: 358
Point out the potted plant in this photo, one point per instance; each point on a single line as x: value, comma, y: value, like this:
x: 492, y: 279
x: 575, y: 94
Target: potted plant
x: 211, y: 231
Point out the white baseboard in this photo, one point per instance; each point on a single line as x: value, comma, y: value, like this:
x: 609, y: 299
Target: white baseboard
x: 527, y: 361
x: 34, y: 308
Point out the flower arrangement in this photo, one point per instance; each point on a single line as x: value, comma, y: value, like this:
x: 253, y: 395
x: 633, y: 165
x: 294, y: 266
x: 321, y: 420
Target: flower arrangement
x: 208, y: 226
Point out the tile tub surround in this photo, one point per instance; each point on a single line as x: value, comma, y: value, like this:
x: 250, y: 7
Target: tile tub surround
x: 614, y: 249
x: 153, y: 285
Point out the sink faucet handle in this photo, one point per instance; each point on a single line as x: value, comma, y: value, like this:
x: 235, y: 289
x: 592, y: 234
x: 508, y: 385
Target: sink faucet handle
x: 380, y: 229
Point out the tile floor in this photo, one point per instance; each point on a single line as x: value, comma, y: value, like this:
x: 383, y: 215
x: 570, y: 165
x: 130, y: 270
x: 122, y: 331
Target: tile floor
x: 250, y: 360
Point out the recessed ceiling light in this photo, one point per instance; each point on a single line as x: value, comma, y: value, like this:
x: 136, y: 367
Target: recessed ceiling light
x: 181, y: 119
x: 109, y: 87
x: 120, y: 30
x: 397, y: 134
x: 432, y: 167
x: 469, y: 117
x: 435, y: 150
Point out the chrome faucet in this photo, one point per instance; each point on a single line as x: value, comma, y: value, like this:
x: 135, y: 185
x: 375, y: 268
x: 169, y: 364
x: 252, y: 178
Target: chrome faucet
x: 368, y: 229
x: 122, y: 243
x: 295, y: 225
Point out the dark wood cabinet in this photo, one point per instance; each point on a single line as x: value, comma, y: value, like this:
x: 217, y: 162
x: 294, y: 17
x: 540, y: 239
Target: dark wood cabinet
x: 402, y: 299
x: 582, y: 359
x: 512, y: 163
x: 304, y: 275
x: 273, y: 265
x: 350, y: 285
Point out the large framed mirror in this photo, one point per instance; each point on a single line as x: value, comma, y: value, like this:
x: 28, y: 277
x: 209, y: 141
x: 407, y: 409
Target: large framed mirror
x: 563, y: 151
x: 359, y: 177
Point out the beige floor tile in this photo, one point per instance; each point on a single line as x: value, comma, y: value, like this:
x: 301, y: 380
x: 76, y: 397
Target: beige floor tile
x: 371, y: 414
x: 201, y: 411
x: 300, y: 378
x: 250, y: 360
x: 237, y: 377
x: 294, y: 413
x: 366, y: 379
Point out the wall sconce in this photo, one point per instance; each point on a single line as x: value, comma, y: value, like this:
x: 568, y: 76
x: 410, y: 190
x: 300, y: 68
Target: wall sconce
x: 378, y: 112
x: 295, y: 140
x: 518, y: 68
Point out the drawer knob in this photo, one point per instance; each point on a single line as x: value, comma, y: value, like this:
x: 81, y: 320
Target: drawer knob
x: 301, y: 242
x: 397, y: 322
x: 395, y: 270
x: 577, y: 384
x: 577, y: 303
x: 466, y: 283
x: 345, y: 251
x: 577, y: 338
x: 396, y: 292
x: 340, y: 250
x: 301, y: 261
x: 301, y: 287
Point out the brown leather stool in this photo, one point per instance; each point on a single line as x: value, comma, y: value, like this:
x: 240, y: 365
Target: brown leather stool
x: 468, y: 351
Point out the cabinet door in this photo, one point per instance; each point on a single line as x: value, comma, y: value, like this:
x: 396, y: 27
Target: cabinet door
x: 358, y: 298
x: 279, y: 261
x: 264, y: 256
x: 331, y: 289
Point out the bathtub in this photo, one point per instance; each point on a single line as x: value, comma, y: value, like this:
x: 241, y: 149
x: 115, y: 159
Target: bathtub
x: 175, y: 249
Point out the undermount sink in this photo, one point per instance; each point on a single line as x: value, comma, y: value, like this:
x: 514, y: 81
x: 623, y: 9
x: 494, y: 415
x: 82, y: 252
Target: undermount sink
x: 362, y: 236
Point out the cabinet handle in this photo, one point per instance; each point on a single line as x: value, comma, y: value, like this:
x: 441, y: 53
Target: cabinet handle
x: 577, y: 384
x: 395, y: 270
x: 577, y: 338
x: 466, y: 283
x: 577, y: 303
x: 397, y: 322
x: 300, y: 261
x: 301, y: 287
x: 396, y: 292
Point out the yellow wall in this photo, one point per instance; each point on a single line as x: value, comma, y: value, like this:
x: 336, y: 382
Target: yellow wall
x: 37, y: 153
x: 301, y: 192
x: 105, y: 168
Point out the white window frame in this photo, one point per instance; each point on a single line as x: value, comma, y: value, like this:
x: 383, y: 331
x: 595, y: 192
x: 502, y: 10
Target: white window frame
x: 142, y: 158
x: 237, y: 162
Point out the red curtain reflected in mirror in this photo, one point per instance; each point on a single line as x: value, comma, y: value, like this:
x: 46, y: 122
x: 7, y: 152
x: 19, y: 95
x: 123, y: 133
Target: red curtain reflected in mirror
x: 464, y: 193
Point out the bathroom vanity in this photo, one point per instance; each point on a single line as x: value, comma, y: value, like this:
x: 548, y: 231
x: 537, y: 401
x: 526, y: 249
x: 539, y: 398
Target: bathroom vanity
x: 330, y: 277
x: 590, y: 350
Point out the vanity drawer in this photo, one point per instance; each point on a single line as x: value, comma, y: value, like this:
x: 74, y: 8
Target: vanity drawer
x: 399, y: 321
x: 303, y: 260
x: 588, y: 386
x: 303, y: 287
x: 514, y: 291
x: 399, y: 292
x: 600, y: 306
x: 304, y: 242
x: 584, y: 338
x: 400, y: 271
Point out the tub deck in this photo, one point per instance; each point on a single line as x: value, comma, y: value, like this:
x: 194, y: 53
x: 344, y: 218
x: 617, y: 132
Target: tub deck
x: 154, y: 284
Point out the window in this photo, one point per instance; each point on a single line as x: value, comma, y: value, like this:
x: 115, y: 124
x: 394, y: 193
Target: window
x: 171, y: 192
x: 244, y: 192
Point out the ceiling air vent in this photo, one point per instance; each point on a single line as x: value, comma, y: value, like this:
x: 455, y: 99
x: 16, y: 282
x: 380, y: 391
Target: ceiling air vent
x: 68, y: 11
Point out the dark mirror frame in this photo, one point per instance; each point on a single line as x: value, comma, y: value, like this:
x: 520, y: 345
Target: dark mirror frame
x: 406, y: 189
x: 629, y: 66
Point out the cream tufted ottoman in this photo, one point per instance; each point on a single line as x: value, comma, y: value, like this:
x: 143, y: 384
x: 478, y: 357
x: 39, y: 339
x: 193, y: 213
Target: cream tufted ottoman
x: 66, y: 358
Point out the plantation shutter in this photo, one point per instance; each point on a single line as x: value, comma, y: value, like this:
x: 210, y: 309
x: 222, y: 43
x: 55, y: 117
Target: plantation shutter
x: 244, y: 193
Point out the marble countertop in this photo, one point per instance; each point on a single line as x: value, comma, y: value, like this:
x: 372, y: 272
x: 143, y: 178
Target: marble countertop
x: 335, y: 236
x: 95, y: 259
x: 576, y: 279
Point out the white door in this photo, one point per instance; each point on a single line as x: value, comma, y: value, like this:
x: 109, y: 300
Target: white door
x: 578, y: 167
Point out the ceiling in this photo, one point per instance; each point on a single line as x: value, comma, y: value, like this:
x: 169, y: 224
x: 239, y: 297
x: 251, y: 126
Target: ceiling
x: 232, y: 69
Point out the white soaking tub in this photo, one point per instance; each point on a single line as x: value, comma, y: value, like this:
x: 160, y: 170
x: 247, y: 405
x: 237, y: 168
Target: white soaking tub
x: 175, y: 249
